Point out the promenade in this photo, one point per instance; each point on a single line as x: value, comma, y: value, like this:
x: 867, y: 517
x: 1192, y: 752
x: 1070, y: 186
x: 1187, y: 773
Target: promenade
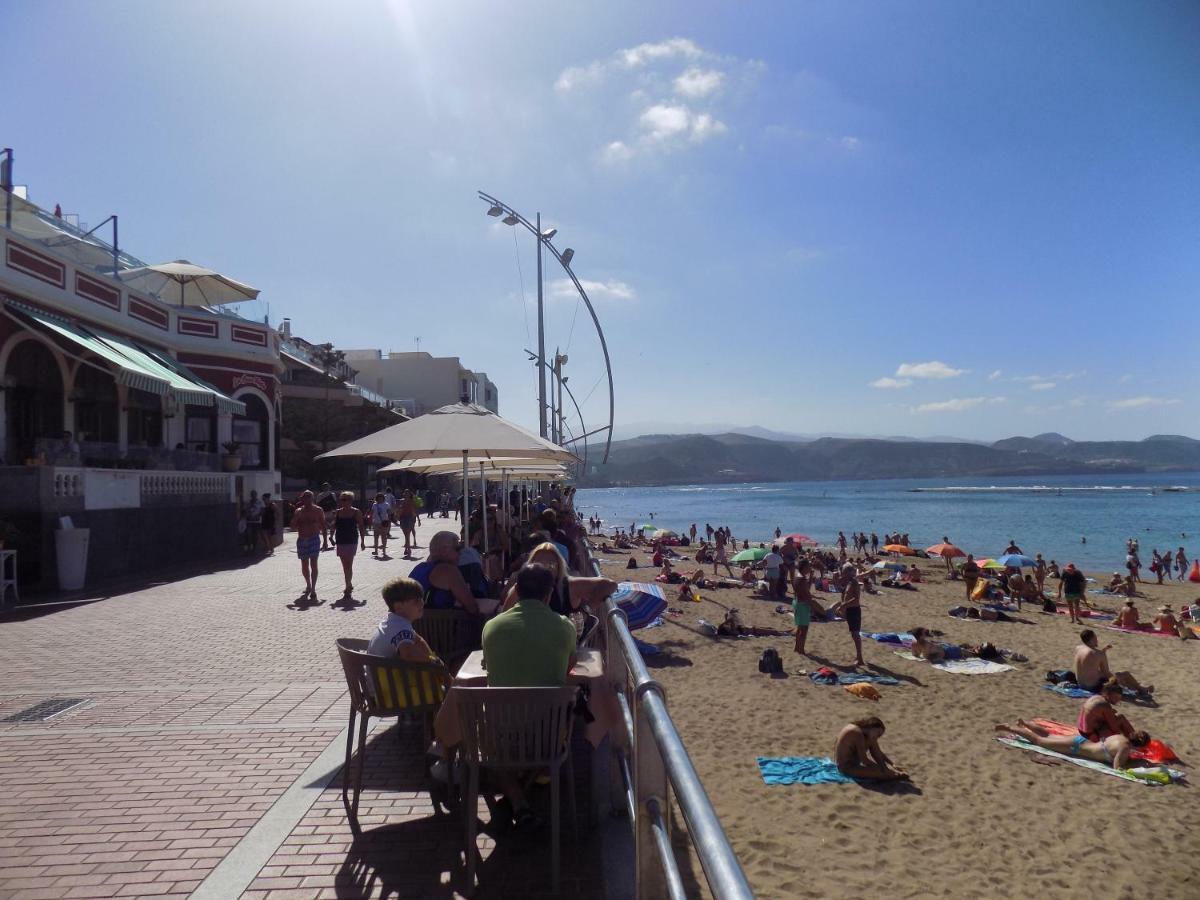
x: 205, y: 758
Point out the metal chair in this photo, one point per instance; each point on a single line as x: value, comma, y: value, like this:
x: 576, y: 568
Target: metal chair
x: 518, y: 729
x: 451, y: 633
x: 590, y: 636
x: 387, y: 688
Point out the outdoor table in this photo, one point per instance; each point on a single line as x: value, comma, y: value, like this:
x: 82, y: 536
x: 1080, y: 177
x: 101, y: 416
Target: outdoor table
x: 588, y: 672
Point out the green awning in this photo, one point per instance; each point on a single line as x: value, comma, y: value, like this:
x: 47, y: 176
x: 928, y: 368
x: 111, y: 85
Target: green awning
x: 128, y: 372
x: 185, y: 385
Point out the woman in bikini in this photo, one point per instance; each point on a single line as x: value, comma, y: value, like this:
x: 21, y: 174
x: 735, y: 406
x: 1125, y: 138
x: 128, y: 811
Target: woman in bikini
x: 1113, y: 750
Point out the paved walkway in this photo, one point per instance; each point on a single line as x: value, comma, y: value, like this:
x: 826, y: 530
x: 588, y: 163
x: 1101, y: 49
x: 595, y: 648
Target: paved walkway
x: 206, y: 755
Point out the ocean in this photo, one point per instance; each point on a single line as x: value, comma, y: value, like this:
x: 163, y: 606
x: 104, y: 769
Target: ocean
x: 1047, y: 514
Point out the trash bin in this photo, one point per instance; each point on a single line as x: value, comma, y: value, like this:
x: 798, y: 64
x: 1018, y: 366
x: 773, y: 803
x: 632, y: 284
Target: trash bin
x: 71, y: 547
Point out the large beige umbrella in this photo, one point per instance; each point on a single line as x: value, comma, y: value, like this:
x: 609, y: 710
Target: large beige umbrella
x: 462, y: 431
x: 198, y: 286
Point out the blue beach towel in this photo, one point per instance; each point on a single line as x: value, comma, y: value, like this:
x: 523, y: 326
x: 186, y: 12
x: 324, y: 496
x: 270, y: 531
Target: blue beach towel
x: 888, y: 637
x: 1076, y: 692
x: 647, y: 649
x: 857, y: 677
x: 801, y: 770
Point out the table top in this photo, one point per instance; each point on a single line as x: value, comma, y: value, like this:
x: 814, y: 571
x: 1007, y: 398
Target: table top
x: 589, y: 664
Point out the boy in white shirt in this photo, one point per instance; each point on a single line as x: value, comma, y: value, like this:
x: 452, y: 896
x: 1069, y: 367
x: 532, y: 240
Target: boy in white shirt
x: 381, y: 523
x: 394, y: 636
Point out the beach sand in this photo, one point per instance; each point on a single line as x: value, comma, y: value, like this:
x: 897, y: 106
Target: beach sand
x: 984, y: 819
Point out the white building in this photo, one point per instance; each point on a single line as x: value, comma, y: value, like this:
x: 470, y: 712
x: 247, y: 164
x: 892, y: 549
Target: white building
x: 424, y: 380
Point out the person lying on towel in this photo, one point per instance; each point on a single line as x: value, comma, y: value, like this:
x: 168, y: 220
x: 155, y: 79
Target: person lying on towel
x: 858, y: 754
x: 1113, y: 750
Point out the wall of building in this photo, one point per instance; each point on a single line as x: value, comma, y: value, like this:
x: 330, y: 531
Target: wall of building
x: 431, y: 381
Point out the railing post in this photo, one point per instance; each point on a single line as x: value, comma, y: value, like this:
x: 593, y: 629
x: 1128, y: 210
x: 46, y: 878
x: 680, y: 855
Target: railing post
x: 650, y: 783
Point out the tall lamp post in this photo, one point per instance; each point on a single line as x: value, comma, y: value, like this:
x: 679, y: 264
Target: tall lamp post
x: 496, y: 208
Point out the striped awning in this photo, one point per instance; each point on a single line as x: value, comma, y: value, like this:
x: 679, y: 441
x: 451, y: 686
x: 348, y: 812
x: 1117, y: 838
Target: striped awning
x: 184, y: 384
x: 127, y: 371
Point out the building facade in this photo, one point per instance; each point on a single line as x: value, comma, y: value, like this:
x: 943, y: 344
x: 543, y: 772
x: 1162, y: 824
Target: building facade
x: 425, y: 381
x: 120, y: 410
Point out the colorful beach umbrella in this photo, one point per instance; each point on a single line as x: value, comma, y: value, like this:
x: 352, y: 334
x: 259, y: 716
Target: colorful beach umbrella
x: 1015, y: 560
x: 797, y: 538
x: 989, y: 564
x: 754, y: 554
x: 899, y: 548
x: 947, y: 551
x: 894, y: 566
x: 648, y: 527
x: 641, y: 603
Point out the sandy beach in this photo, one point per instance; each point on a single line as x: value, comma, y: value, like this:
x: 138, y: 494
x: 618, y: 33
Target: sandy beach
x: 981, y: 819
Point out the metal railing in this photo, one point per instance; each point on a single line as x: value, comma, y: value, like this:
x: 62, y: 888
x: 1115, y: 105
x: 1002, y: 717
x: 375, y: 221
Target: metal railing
x: 656, y: 766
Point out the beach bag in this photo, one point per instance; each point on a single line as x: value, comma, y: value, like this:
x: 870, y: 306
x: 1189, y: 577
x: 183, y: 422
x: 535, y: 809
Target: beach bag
x: 770, y: 663
x: 1049, y: 606
x: 1195, y: 574
x: 1061, y: 676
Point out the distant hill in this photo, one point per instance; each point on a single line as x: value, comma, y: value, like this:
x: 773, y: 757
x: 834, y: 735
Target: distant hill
x: 714, y: 458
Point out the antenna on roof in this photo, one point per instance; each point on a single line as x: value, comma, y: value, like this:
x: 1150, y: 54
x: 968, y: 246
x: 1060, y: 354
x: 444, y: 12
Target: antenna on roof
x: 418, y: 343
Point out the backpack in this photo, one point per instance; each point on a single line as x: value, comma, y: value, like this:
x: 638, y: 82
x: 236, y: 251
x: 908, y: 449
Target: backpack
x: 1061, y: 676
x: 770, y: 663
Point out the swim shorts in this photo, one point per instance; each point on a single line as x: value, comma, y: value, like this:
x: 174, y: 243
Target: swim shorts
x: 347, y: 549
x: 407, y: 522
x: 1073, y: 597
x: 801, y: 613
x: 308, y: 547
x: 853, y: 617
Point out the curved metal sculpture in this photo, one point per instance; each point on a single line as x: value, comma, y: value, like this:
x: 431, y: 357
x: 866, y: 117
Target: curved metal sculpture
x: 565, y: 263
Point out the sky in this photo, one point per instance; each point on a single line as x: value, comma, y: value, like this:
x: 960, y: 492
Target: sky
x: 917, y: 218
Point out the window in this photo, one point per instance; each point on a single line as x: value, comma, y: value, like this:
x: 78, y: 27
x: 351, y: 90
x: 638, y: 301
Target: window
x: 250, y: 431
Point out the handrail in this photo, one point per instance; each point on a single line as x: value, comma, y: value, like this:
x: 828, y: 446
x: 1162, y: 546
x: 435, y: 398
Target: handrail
x: 657, y: 765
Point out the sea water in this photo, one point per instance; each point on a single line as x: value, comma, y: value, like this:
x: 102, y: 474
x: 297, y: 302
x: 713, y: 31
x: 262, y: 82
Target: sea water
x: 1051, y: 515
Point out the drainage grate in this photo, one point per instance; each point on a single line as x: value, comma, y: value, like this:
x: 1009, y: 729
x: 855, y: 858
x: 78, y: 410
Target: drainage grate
x: 46, y: 710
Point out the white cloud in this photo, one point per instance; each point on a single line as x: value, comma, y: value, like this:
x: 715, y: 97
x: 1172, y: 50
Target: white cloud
x: 579, y: 76
x: 849, y: 142
x: 995, y: 376
x: 662, y: 122
x: 564, y: 289
x: 886, y: 383
x: 696, y: 83
x: 932, y: 369
x: 1042, y: 385
x: 672, y: 48
x: 1126, y: 378
x: 1141, y: 402
x: 705, y: 126
x: 616, y: 152
x: 959, y: 404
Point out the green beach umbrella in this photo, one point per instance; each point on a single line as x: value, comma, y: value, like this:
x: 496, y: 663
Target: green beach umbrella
x: 754, y: 554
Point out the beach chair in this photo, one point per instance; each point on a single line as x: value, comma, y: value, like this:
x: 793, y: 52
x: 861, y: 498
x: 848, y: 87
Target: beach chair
x: 518, y: 729
x: 385, y: 687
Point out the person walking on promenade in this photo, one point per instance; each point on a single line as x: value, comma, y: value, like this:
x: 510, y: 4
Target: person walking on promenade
x: 349, y: 534
x: 720, y: 555
x: 309, y: 522
x: 266, y: 532
x: 381, y: 523
x: 406, y: 517
x: 327, y: 500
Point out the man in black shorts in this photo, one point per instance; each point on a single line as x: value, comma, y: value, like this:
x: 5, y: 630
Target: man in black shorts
x: 849, y: 609
x: 1072, y: 588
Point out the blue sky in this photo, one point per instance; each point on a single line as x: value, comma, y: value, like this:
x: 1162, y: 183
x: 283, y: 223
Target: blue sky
x: 927, y: 218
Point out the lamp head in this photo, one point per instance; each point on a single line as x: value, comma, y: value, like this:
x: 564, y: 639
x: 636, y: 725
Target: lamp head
x: 494, y: 211
x: 510, y: 219
x: 567, y: 256
x: 549, y: 233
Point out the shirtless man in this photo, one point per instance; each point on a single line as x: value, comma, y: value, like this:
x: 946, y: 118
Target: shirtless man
x: 1113, y: 750
x: 1098, y: 718
x: 309, y: 522
x: 1092, y: 670
x: 850, y: 609
x: 970, y: 574
x: 790, y: 553
x: 803, y: 606
x: 1039, y: 572
x: 858, y: 754
x: 1166, y: 622
x: 1072, y: 588
x: 1128, y: 616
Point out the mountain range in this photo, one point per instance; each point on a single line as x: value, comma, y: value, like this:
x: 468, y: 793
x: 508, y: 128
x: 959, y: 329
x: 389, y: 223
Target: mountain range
x: 736, y: 457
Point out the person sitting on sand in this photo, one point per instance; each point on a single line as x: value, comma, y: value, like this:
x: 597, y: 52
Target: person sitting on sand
x: 1116, y: 584
x: 1052, y: 570
x: 1113, y: 750
x: 912, y: 576
x: 1099, y: 719
x: 858, y: 754
x: 749, y: 576
x: 1166, y: 622
x: 732, y: 626
x: 1092, y: 670
x: 1128, y: 616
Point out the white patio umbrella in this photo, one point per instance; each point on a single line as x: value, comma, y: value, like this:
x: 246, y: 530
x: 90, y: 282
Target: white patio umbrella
x: 198, y: 286
x: 462, y: 431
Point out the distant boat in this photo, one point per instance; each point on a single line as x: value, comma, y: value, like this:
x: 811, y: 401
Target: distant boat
x: 1179, y: 489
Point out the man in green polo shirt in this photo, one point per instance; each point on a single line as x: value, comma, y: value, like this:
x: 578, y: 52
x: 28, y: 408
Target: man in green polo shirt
x: 530, y: 645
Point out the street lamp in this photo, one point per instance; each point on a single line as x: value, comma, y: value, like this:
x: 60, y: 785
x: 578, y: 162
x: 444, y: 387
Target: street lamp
x: 495, y: 207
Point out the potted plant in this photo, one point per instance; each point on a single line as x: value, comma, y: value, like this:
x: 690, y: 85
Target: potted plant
x: 232, y: 460
x: 8, y: 534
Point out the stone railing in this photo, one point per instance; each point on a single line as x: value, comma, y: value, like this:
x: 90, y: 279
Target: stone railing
x: 66, y: 488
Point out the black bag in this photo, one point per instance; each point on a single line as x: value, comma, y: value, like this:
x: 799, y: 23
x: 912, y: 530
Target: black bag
x: 770, y: 663
x: 1061, y: 676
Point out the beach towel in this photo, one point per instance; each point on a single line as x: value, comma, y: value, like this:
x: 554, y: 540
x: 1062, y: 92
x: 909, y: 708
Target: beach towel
x: 647, y: 649
x: 800, y: 770
x: 1154, y: 752
x: 1152, y: 775
x: 1076, y: 692
x: 963, y: 666
x: 826, y: 675
x: 1146, y: 629
x: 1088, y: 614
x: 889, y: 637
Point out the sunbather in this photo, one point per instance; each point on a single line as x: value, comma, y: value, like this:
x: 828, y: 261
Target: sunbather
x: 1091, y: 666
x: 1128, y: 616
x: 1166, y: 622
x: 858, y: 754
x: 924, y: 647
x: 1099, y: 719
x: 1113, y: 750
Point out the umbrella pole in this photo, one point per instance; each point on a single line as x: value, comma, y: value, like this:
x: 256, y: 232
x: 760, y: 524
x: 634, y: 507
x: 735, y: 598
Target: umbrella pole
x: 466, y: 522
x: 483, y: 509
x: 504, y: 500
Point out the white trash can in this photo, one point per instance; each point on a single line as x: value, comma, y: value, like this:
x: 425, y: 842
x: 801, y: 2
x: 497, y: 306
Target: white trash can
x: 71, y: 547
